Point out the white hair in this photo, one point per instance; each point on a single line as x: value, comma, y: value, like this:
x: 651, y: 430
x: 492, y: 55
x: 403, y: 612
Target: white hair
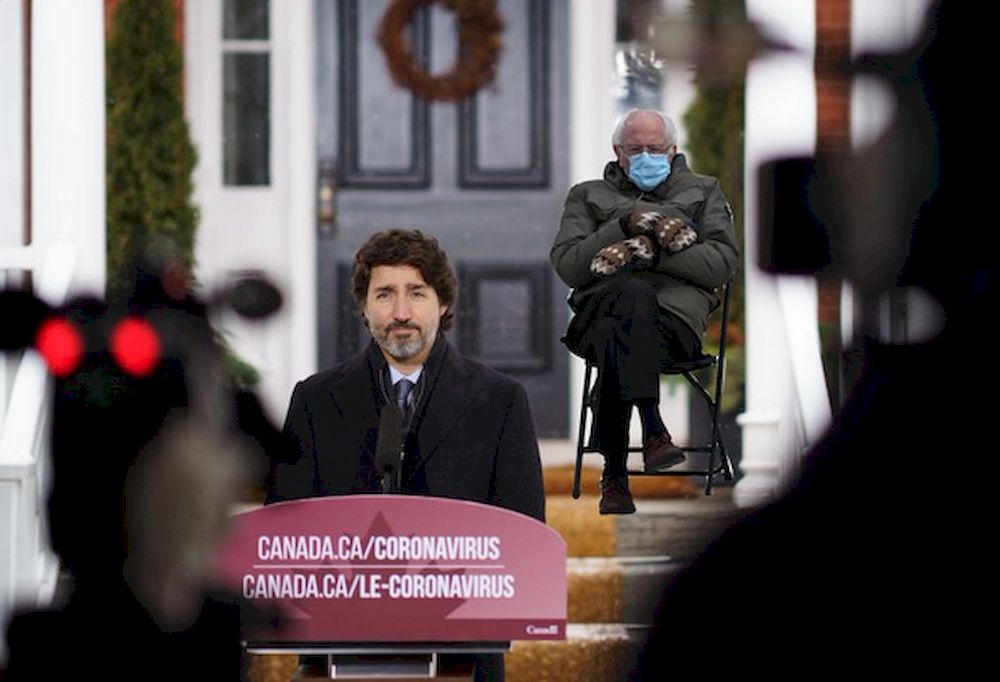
x: 668, y: 125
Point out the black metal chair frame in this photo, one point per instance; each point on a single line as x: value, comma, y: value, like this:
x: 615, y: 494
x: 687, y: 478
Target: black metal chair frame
x: 718, y: 462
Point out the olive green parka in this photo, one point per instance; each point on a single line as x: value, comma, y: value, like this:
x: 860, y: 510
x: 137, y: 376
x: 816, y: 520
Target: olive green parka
x: 685, y: 282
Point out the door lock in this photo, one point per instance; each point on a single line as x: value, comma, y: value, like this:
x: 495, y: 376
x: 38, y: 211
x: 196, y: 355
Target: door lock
x: 326, y: 198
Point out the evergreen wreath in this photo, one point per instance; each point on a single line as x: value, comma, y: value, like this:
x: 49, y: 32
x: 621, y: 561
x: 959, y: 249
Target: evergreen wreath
x: 479, y: 43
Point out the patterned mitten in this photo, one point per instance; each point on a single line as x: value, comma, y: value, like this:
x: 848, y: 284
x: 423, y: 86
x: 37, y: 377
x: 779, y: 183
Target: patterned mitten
x: 638, y: 250
x: 641, y: 222
x: 673, y: 235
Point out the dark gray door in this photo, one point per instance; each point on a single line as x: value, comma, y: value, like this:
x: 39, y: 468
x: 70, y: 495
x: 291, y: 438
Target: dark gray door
x: 487, y: 176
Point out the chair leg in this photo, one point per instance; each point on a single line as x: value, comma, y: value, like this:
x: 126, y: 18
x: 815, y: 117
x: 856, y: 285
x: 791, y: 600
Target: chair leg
x: 727, y: 463
x: 716, y: 444
x: 582, y: 432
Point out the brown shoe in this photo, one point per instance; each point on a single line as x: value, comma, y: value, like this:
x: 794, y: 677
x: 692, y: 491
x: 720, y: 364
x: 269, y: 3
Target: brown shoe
x: 615, y: 495
x: 659, y: 453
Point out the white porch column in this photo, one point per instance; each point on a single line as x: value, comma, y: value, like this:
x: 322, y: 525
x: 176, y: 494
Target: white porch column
x: 67, y: 133
x: 780, y: 121
x: 12, y: 110
x: 268, y: 227
x: 300, y: 162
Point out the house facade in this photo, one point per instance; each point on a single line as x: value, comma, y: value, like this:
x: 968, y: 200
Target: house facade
x: 307, y: 145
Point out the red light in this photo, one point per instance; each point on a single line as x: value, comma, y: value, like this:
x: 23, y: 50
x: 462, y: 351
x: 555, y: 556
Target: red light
x: 60, y: 343
x: 135, y: 346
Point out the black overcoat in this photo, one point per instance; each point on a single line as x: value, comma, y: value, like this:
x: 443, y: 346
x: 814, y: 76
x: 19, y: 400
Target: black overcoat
x: 472, y: 435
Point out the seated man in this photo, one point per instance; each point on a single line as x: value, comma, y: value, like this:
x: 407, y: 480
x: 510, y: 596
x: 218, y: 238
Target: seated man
x: 469, y: 432
x: 644, y: 250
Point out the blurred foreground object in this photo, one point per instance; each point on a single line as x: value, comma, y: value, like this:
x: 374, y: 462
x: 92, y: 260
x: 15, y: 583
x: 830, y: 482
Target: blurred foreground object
x: 870, y: 561
x: 151, y: 445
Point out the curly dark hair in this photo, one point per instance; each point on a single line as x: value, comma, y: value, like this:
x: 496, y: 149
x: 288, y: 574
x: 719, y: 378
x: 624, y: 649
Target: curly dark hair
x: 407, y: 247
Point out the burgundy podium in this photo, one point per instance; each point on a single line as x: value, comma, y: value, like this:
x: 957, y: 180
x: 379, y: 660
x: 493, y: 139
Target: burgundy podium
x: 382, y: 585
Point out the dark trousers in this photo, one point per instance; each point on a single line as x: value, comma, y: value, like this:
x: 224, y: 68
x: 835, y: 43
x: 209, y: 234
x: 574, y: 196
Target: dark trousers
x: 629, y: 337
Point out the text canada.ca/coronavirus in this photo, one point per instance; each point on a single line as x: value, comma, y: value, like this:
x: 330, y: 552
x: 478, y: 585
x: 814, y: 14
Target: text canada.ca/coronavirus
x: 377, y: 586
x: 378, y: 548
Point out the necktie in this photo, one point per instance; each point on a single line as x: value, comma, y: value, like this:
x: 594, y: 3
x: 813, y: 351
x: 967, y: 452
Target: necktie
x: 404, y: 398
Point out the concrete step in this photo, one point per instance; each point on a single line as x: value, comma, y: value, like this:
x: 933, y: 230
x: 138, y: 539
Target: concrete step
x: 616, y: 589
x: 590, y: 653
x: 559, y: 481
x: 675, y: 527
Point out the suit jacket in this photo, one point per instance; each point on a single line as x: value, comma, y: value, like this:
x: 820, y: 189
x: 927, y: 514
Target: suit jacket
x: 472, y: 435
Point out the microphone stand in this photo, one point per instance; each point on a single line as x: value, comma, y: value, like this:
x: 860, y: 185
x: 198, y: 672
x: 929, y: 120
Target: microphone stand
x: 388, y: 447
x: 390, y: 481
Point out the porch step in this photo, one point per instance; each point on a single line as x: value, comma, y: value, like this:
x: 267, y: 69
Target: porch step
x: 590, y: 653
x: 616, y: 589
x: 674, y: 527
x: 617, y: 569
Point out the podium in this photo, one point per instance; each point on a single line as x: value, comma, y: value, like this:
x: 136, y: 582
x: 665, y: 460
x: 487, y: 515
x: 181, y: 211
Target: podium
x: 393, y: 585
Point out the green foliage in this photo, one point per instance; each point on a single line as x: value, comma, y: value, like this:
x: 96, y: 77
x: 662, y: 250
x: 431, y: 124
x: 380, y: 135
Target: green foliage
x: 714, y: 122
x: 243, y: 373
x: 150, y: 156
x: 715, y: 125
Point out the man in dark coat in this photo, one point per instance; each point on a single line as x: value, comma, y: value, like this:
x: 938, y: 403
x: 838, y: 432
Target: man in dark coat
x: 469, y: 433
x: 644, y: 249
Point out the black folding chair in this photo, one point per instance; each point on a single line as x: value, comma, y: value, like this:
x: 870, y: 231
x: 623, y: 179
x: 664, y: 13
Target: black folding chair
x: 713, y: 457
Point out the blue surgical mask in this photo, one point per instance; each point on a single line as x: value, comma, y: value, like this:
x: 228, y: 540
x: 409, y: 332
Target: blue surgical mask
x: 648, y: 170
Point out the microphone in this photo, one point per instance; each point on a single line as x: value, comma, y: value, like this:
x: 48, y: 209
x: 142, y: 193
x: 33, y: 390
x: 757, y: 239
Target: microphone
x: 387, y: 453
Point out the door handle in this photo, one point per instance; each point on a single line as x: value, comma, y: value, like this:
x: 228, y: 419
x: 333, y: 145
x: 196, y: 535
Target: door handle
x: 326, y: 197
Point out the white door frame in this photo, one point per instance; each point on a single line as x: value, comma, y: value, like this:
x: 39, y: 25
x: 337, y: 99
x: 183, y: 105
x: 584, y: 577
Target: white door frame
x: 267, y: 228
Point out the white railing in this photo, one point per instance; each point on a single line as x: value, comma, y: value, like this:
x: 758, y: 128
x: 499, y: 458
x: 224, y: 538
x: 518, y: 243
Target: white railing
x: 812, y: 412
x: 788, y: 405
x: 28, y: 568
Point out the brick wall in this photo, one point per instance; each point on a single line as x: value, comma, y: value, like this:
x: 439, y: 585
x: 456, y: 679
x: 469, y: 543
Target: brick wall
x: 833, y: 125
x: 833, y: 53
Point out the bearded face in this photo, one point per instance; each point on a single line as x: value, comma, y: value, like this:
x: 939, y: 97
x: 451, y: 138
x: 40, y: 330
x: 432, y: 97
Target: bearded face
x: 403, y: 313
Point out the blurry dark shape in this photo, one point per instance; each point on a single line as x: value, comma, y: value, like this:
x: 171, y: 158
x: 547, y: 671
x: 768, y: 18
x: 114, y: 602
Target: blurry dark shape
x: 788, y: 221
x: 873, y: 562
x: 152, y: 444
x: 23, y: 316
x: 161, y: 276
x: 715, y: 38
x: 264, y: 438
x: 863, y: 214
x: 253, y: 296
x: 633, y: 18
x: 163, y: 281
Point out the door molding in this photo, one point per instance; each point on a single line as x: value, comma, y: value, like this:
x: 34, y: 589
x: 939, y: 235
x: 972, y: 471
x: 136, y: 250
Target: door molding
x: 352, y: 172
x: 535, y: 173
